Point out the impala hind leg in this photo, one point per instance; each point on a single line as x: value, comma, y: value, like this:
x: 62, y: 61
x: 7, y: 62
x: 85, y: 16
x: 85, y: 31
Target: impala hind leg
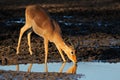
x: 29, y: 42
x: 23, y: 29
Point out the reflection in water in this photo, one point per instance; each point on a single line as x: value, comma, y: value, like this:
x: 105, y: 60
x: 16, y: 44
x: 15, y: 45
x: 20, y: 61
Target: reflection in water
x: 72, y: 69
x: 17, y: 67
x: 29, y: 68
x: 46, y: 75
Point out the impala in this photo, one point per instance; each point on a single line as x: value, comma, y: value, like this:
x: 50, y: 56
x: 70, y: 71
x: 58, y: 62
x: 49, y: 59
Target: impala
x: 40, y: 22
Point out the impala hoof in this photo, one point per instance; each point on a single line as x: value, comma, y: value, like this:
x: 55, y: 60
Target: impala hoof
x: 64, y: 61
x: 17, y: 53
x: 31, y: 53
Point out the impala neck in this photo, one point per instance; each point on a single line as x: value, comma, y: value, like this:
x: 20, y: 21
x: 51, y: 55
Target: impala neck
x: 60, y: 42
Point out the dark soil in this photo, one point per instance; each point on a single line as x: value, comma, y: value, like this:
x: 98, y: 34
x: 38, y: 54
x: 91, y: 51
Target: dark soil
x: 13, y: 75
x: 95, y: 42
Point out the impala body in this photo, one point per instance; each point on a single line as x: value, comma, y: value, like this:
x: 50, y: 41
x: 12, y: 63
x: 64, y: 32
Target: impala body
x: 40, y: 22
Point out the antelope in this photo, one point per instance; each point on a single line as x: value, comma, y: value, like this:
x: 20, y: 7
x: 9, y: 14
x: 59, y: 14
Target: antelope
x: 41, y: 23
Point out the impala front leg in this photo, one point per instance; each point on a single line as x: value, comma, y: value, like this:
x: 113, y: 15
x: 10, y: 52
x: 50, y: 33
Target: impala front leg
x: 60, y: 51
x: 46, y: 49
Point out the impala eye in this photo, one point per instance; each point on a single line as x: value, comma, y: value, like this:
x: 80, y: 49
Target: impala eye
x: 72, y: 53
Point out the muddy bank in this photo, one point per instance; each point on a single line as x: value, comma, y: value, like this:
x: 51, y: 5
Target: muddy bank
x: 84, y: 53
x: 8, y: 75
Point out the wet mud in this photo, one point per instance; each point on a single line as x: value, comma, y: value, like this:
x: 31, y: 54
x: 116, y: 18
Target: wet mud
x: 13, y: 75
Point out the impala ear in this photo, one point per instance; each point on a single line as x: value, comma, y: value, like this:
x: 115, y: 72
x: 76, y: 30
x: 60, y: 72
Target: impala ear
x: 70, y: 43
x: 75, y: 45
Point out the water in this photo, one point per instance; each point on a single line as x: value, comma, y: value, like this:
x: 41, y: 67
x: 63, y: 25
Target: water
x: 15, y: 21
x: 90, y: 70
x: 70, y: 22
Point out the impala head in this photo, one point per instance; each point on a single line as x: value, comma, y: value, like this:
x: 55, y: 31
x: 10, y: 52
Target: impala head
x: 71, y: 54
